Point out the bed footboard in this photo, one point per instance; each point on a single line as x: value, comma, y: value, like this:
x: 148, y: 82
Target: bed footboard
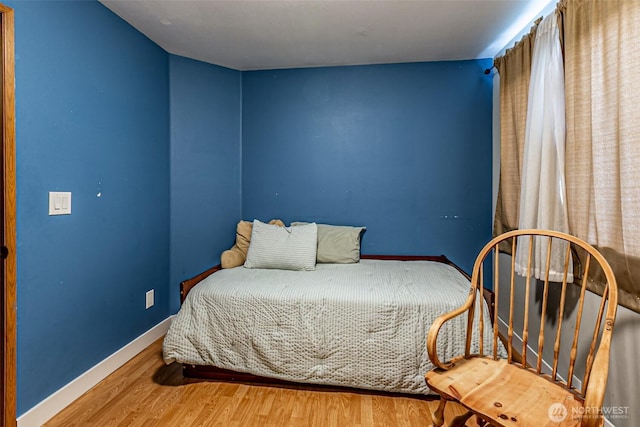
x: 187, y: 285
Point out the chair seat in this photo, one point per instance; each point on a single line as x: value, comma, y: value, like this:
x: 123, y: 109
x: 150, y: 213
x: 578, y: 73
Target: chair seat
x: 506, y: 395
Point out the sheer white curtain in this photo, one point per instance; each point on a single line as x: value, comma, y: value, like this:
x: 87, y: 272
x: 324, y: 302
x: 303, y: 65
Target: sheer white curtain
x: 543, y: 194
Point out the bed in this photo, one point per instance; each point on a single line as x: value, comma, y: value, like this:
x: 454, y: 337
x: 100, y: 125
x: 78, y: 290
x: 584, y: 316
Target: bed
x: 361, y: 325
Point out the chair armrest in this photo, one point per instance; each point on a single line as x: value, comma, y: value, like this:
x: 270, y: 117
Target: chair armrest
x: 432, y: 337
x: 594, y: 397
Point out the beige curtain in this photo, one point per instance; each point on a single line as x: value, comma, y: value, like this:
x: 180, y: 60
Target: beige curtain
x: 515, y: 71
x: 602, y: 74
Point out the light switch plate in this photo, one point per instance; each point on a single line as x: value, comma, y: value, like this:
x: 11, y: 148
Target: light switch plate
x: 59, y: 203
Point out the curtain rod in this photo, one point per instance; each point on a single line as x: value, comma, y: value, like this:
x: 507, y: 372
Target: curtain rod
x: 535, y: 25
x: 488, y: 70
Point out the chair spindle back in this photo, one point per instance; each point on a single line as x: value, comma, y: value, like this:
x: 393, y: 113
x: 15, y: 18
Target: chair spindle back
x: 581, y: 262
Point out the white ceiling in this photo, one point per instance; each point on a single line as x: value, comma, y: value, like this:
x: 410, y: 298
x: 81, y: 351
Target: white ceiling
x: 270, y: 34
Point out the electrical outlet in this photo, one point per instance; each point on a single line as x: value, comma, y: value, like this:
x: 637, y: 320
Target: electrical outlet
x: 149, y: 299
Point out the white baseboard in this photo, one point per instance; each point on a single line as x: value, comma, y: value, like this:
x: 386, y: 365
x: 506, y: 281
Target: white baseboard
x: 59, y: 400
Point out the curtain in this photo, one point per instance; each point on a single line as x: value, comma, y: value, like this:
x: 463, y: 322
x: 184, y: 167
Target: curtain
x: 542, y: 194
x: 514, y: 69
x: 602, y: 66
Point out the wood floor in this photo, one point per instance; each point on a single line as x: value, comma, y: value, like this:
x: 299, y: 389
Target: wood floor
x: 146, y: 392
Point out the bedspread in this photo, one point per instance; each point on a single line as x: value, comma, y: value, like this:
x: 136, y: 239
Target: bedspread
x: 358, y: 325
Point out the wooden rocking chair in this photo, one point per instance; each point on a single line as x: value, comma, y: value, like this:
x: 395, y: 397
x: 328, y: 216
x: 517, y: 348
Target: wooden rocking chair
x: 500, y: 388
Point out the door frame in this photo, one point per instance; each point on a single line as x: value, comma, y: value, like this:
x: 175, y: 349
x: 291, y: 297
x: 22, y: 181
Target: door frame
x: 8, y: 129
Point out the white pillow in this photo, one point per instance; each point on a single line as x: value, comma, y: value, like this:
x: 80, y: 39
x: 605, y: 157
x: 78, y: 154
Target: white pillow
x: 284, y: 248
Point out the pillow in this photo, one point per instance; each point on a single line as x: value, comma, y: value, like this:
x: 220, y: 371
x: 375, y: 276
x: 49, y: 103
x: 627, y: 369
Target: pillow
x: 236, y: 256
x: 284, y: 248
x: 337, y: 243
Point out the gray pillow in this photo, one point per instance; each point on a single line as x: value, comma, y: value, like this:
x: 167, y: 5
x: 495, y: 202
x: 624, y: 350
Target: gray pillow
x: 284, y: 248
x: 338, y: 244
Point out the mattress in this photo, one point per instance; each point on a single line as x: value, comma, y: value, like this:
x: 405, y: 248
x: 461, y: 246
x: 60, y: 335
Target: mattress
x: 358, y: 325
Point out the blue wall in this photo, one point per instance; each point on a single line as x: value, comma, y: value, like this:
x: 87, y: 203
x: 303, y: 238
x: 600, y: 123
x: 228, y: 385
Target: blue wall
x: 164, y: 154
x: 403, y: 149
x: 92, y: 118
x: 205, y: 166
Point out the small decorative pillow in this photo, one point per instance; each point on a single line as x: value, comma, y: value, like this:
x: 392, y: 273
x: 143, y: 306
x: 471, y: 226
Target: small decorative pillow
x: 337, y: 243
x: 284, y: 248
x: 236, y: 256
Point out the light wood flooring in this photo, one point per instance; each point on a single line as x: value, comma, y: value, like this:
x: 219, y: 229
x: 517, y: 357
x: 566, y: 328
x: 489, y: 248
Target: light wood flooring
x: 146, y: 392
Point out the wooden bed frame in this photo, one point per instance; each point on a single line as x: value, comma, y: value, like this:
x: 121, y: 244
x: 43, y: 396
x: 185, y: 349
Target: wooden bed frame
x: 219, y: 374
